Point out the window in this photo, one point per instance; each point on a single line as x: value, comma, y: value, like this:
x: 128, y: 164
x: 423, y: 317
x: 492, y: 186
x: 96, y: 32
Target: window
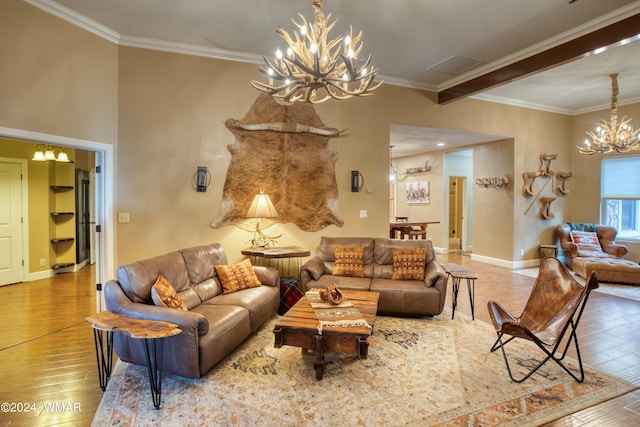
x: 620, y: 195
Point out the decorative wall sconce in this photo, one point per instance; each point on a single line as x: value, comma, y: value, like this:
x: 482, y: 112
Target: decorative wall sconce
x: 202, y: 179
x: 497, y: 182
x: 357, y: 181
x: 50, y: 153
x: 262, y: 207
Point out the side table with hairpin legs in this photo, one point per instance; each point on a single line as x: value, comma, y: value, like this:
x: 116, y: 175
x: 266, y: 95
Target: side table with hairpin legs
x: 457, y: 273
x: 151, y: 331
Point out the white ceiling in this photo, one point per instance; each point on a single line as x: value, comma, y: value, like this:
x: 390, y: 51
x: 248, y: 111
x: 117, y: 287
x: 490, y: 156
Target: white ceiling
x: 406, y: 39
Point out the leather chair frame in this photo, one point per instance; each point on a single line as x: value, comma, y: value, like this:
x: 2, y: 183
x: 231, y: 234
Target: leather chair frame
x: 554, y: 309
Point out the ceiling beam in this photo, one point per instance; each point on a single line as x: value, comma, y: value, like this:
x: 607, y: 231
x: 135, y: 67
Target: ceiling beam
x: 542, y: 61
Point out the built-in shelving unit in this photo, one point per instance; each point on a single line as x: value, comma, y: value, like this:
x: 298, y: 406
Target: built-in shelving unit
x: 62, y: 239
x: 62, y: 265
x: 61, y: 188
x: 61, y: 214
x: 62, y: 230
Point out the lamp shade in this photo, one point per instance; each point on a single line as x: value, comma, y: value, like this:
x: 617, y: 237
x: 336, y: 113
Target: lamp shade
x: 62, y: 157
x: 38, y: 156
x: 49, y: 154
x: 261, y: 207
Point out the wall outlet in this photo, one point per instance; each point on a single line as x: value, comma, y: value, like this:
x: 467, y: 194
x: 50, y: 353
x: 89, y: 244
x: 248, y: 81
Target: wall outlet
x: 363, y: 214
x: 521, y: 252
x: 123, y: 217
x: 43, y: 262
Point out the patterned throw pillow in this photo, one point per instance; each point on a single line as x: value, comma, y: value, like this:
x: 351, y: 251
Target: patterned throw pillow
x: 237, y: 277
x: 408, y: 264
x: 163, y: 294
x: 585, y: 240
x: 349, y: 261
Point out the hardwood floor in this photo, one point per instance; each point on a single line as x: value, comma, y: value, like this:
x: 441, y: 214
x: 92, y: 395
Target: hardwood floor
x: 47, y: 352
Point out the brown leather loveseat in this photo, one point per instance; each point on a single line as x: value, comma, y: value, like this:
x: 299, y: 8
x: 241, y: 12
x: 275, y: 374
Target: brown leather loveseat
x: 601, y: 254
x: 214, y: 324
x: 422, y: 297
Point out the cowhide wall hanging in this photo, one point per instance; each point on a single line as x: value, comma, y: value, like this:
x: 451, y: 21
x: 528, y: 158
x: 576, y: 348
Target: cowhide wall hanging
x: 283, y: 150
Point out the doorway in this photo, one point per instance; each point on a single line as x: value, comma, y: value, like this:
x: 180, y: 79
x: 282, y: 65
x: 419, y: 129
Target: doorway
x: 11, y: 223
x: 456, y: 212
x: 104, y: 187
x: 83, y: 216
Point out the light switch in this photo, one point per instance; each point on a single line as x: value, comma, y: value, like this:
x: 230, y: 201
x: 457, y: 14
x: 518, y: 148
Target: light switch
x: 123, y: 217
x: 363, y: 214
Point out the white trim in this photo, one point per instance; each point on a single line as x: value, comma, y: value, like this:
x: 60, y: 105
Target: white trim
x: 76, y: 19
x: 104, y: 158
x: 513, y: 265
x: 44, y: 274
x: 190, y: 49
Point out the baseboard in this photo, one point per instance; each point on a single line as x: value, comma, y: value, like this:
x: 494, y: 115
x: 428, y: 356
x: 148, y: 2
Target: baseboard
x: 80, y: 266
x: 38, y: 275
x: 513, y: 265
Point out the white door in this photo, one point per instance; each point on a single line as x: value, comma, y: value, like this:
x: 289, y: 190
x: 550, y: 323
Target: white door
x: 10, y: 223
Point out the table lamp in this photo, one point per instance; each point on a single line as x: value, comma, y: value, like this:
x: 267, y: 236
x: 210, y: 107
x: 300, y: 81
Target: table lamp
x: 262, y: 207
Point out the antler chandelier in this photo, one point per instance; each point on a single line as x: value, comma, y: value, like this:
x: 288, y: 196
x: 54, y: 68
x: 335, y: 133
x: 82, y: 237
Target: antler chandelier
x: 313, y: 69
x: 612, y: 136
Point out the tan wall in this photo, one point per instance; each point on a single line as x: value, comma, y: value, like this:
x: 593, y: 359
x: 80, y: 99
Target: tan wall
x: 167, y: 111
x: 55, y: 77
x: 492, y: 207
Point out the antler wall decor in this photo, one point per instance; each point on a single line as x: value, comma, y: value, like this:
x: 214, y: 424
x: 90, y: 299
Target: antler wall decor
x: 497, y: 182
x: 559, y: 187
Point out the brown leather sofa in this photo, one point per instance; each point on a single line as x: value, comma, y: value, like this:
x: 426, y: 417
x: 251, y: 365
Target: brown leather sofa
x: 406, y: 297
x: 608, y: 262
x: 214, y: 323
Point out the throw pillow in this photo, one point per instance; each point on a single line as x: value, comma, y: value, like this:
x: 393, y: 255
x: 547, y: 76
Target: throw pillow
x: 586, y: 240
x: 163, y: 294
x: 408, y: 264
x: 349, y: 261
x: 237, y: 277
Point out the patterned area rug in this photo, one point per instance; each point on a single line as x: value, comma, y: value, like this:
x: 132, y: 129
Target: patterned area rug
x: 617, y: 289
x: 420, y: 372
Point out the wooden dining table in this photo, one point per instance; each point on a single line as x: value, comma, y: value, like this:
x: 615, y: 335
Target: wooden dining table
x: 401, y: 227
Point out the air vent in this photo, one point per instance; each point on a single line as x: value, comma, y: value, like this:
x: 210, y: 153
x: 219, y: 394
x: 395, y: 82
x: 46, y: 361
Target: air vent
x: 454, y: 65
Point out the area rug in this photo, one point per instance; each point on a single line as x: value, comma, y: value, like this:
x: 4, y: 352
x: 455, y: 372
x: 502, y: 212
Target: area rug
x: 616, y: 289
x: 420, y: 372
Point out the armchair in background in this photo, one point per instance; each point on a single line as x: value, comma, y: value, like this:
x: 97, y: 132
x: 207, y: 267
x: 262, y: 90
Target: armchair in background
x: 592, y: 247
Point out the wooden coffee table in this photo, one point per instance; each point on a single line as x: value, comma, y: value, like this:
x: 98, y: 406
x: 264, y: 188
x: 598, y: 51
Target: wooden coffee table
x: 299, y: 328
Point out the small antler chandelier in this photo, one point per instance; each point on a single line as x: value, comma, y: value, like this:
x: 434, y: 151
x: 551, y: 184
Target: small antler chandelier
x: 612, y: 136
x: 313, y: 69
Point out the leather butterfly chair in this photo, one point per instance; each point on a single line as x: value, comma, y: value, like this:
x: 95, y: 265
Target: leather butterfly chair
x: 554, y: 309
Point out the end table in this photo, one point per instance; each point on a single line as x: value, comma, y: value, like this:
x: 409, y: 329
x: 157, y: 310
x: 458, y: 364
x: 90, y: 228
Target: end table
x: 151, y: 331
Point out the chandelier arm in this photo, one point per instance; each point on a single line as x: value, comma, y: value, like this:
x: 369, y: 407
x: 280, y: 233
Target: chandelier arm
x: 314, y: 68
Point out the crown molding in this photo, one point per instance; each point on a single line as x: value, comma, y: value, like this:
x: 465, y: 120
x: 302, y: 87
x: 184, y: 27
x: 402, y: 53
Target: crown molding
x: 549, y: 108
x: 76, y: 19
x: 100, y: 30
x: 189, y: 49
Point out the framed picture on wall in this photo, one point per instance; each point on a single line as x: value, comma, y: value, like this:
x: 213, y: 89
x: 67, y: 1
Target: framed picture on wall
x: 417, y: 192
